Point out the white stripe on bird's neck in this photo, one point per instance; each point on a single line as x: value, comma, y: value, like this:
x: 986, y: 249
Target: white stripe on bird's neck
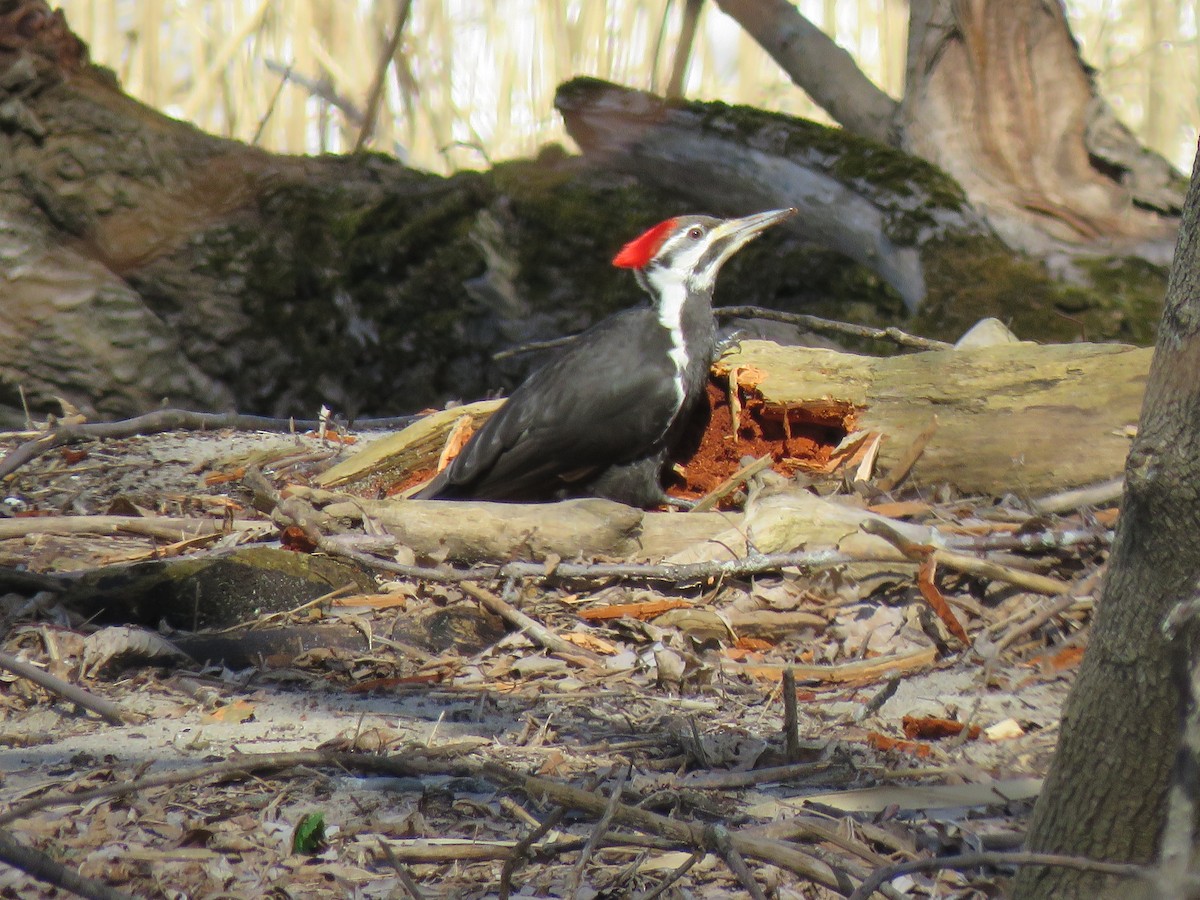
x: 670, y: 293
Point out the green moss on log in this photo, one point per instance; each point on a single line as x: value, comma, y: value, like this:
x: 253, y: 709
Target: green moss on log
x: 969, y: 278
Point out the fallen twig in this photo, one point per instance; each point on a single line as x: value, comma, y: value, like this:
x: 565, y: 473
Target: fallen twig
x: 1030, y: 581
x: 1040, y: 618
x: 997, y: 858
x: 678, y: 573
x: 106, y: 709
x: 162, y: 527
x: 521, y: 851
x: 774, y: 852
x: 406, y: 880
x: 166, y: 420
x: 737, y: 780
x: 720, y: 839
x: 531, y: 628
x: 249, y: 764
x: 1090, y: 495
x: 598, y: 833
x: 38, y: 865
x: 815, y: 323
x: 791, y: 717
x: 676, y: 873
x: 859, y: 670
x: 730, y: 484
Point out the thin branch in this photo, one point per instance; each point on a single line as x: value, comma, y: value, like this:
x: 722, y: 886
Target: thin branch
x: 1030, y: 581
x: 598, y: 834
x: 774, y: 852
x: 1090, y: 495
x: 675, y: 875
x: 680, y: 574
x: 732, y: 483
x: 244, y: 766
x: 167, y: 528
x: 165, y: 420
x: 521, y: 851
x: 106, y: 709
x: 38, y: 865
x: 384, y: 63
x: 721, y: 840
x: 531, y: 628
x: 998, y: 859
x: 815, y: 323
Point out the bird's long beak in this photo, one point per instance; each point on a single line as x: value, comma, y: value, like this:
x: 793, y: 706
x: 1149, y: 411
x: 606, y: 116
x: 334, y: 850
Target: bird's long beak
x: 735, y: 233
x: 728, y: 237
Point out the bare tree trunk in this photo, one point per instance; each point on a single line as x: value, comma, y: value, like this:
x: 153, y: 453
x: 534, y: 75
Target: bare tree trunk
x: 996, y: 95
x: 1105, y: 794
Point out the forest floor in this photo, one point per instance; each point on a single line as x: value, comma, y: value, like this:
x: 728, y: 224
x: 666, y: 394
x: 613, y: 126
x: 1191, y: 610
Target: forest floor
x: 394, y: 737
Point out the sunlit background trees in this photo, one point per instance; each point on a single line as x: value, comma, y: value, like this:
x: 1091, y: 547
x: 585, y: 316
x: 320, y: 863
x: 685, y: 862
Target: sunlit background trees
x: 472, y: 81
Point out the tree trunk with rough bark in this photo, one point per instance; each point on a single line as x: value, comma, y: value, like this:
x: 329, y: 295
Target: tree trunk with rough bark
x: 1105, y: 794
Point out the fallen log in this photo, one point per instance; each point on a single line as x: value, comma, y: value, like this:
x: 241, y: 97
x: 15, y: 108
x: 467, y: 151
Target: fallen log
x: 1015, y: 417
x: 1021, y: 417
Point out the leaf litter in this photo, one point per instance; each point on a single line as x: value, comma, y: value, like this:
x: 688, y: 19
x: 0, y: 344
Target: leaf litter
x: 443, y: 752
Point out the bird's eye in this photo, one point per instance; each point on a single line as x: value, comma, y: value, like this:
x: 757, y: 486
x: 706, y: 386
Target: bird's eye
x: 695, y: 232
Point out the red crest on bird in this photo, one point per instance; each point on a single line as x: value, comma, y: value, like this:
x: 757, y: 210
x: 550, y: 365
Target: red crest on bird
x: 638, y: 252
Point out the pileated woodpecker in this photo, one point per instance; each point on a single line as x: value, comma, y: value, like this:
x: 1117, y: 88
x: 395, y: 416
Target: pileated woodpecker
x: 602, y: 418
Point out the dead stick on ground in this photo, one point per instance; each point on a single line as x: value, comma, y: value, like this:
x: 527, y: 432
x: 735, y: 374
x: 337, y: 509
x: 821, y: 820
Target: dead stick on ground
x: 680, y: 573
x: 532, y: 629
x: 521, y: 851
x: 720, y: 780
x: 106, y: 709
x: 675, y: 875
x: 999, y: 858
x: 791, y: 717
x: 1040, y: 618
x: 720, y: 838
x: 773, y: 852
x: 1090, y: 495
x: 1030, y: 581
x: 249, y: 764
x: 165, y: 420
x: 38, y: 865
x: 598, y: 833
x: 406, y: 879
x: 163, y: 527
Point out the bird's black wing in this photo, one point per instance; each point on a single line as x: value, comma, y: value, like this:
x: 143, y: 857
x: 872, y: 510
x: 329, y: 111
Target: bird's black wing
x: 607, y: 398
